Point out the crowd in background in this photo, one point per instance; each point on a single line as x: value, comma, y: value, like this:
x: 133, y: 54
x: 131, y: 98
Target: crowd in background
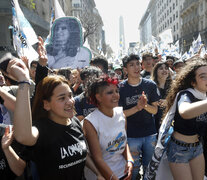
x: 104, y: 116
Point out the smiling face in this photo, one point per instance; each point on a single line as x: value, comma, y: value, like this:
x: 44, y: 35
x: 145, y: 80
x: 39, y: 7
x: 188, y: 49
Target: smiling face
x: 162, y: 72
x: 108, y: 97
x: 133, y: 69
x: 61, y: 104
x: 201, y: 79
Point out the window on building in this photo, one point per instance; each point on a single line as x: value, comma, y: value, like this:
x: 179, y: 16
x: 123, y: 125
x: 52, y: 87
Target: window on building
x: 177, y: 36
x: 173, y: 5
x: 174, y: 38
x: 165, y: 24
x: 170, y: 19
x: 177, y: 26
x: 176, y: 2
x: 43, y: 13
x: 167, y: 2
x: 176, y: 14
x: 168, y: 22
x: 167, y: 12
x: 170, y: 9
x: 165, y: 15
x: 174, y: 28
x: 173, y: 17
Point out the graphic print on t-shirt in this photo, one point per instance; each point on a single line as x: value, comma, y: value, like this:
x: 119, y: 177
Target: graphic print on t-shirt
x: 116, y: 144
x: 73, y: 150
x: 202, y: 118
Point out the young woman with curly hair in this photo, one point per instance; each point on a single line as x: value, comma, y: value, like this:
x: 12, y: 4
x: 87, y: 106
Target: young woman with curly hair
x: 188, y: 91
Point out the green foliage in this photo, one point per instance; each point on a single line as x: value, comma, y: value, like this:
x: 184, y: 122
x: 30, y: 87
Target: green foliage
x: 30, y: 4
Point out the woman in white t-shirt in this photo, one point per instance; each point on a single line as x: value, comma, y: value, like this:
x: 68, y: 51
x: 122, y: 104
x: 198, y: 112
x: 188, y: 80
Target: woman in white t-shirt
x: 105, y: 130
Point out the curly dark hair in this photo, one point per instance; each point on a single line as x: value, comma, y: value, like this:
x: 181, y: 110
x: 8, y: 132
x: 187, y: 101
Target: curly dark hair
x: 184, y: 79
x: 97, y: 85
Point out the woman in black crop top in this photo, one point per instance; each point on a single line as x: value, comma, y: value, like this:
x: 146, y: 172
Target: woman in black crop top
x: 185, y: 151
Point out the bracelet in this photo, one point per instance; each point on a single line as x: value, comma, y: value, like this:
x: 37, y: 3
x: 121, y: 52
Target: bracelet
x: 111, y: 176
x: 131, y: 161
x: 24, y: 82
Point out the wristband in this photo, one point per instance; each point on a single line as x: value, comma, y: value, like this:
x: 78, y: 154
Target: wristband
x: 131, y: 161
x: 24, y: 82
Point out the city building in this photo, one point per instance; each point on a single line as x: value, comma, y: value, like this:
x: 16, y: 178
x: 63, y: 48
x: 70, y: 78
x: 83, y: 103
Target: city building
x: 145, y: 28
x: 160, y: 16
x: 37, y: 13
x: 92, y: 23
x: 194, y: 21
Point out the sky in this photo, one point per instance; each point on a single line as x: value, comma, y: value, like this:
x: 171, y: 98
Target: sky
x: 132, y: 12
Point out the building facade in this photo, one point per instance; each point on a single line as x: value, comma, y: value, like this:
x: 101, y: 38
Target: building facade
x: 145, y: 28
x: 160, y: 16
x: 92, y: 24
x: 38, y: 13
x: 194, y: 21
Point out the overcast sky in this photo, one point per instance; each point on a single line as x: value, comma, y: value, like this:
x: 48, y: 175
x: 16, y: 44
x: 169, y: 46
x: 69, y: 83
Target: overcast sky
x: 132, y: 12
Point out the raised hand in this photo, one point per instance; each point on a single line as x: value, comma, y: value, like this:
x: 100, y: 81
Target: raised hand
x: 25, y: 60
x: 7, y: 138
x: 18, y: 70
x: 142, y: 102
x: 42, y: 52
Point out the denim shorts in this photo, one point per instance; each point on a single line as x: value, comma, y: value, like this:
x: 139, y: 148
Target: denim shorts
x: 179, y: 154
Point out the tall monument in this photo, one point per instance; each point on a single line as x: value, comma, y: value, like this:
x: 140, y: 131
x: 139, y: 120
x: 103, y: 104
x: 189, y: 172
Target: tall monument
x: 121, y: 36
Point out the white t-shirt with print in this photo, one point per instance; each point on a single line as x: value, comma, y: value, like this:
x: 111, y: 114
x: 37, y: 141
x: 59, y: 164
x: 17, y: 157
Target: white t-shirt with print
x: 112, y: 138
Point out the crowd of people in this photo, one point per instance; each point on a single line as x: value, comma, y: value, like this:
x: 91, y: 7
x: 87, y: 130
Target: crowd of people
x: 101, y: 122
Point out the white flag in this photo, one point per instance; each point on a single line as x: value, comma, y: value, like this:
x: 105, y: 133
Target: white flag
x: 23, y: 34
x: 58, y: 10
x: 196, y: 44
x: 166, y: 36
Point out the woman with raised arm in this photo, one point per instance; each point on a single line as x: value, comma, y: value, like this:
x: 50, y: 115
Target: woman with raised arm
x: 188, y: 97
x: 56, y: 141
x: 105, y: 130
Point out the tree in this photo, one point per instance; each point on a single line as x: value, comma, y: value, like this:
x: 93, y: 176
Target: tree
x: 90, y: 24
x: 30, y: 4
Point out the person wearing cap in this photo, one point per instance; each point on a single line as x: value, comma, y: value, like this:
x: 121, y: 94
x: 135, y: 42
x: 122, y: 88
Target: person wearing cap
x: 118, y: 70
x: 139, y: 98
